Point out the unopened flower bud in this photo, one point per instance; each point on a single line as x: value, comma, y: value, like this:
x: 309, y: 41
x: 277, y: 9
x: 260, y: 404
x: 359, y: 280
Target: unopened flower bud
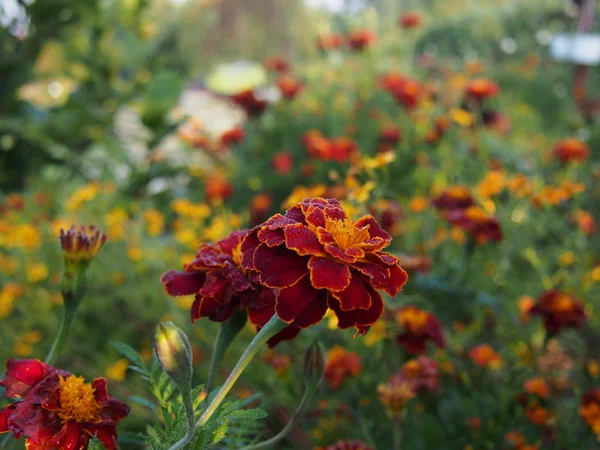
x: 314, y: 364
x: 81, y: 244
x: 174, y: 353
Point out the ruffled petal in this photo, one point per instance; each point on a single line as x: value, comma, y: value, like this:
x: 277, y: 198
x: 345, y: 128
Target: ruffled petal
x: 355, y: 296
x: 375, y: 231
x: 325, y: 273
x: 278, y: 266
x: 362, y: 319
x: 302, y: 240
x: 183, y: 283
x: 292, y: 301
x: 23, y: 374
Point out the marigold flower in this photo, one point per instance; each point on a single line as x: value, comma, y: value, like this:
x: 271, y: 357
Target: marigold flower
x: 590, y: 409
x: 329, y: 41
x: 418, y: 327
x: 233, y: 136
x: 484, y: 355
x: 453, y: 197
x: 220, y: 284
x: 410, y: 20
x: 361, y: 39
x: 58, y: 409
x: 331, y: 262
x: 571, y: 150
x: 349, y: 445
x: 81, y: 244
x: 250, y: 102
x: 289, y: 87
x: 396, y: 393
x: 283, y: 162
x: 585, y: 221
x: 481, y: 226
x: 537, y: 386
x: 217, y: 189
x: 422, y: 372
x: 389, y: 213
x: 341, y: 364
x: 559, y: 310
x: 539, y: 415
x: 276, y: 64
x: 481, y: 89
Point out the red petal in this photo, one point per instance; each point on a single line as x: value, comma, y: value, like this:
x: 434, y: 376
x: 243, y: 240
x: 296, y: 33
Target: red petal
x: 100, y: 390
x: 295, y: 214
x: 287, y: 334
x: 278, y: 266
x: 328, y: 274
x: 183, y: 283
x: 377, y: 273
x: 260, y: 316
x: 374, y: 229
x: 315, y: 217
x: 271, y: 237
x: 114, y: 411
x: 249, y: 245
x: 5, y: 413
x: 68, y: 437
x: 22, y: 374
x: 359, y: 318
x: 314, y: 313
x: 398, y: 278
x: 335, y: 212
x: 355, y: 296
x: 338, y: 253
x: 302, y: 240
x: 214, y: 286
x: 292, y: 301
x: 229, y: 244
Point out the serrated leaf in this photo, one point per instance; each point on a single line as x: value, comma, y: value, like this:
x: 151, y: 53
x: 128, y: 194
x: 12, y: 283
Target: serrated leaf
x: 248, y: 414
x: 143, y: 401
x: 95, y: 444
x: 129, y: 353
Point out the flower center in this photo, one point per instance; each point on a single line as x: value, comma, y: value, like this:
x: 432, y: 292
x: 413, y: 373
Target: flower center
x: 77, y: 401
x: 236, y: 255
x: 345, y: 234
x: 413, y: 319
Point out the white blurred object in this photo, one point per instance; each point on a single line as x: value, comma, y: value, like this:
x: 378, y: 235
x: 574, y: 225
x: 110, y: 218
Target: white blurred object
x: 581, y: 49
x: 229, y: 79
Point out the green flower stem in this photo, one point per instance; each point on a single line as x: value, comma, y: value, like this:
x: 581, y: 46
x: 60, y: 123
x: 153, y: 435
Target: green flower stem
x: 306, y: 398
x: 5, y: 441
x: 271, y: 328
x: 66, y: 324
x: 227, y: 333
x: 186, y: 395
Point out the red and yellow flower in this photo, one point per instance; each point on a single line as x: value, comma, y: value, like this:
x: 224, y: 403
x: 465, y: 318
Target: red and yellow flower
x: 571, y: 150
x: 58, y: 409
x: 481, y: 89
x: 361, y: 39
x: 590, y: 410
x: 396, y: 393
x: 289, y: 87
x: 418, y: 327
x: 330, y: 262
x: 341, y: 364
x: 484, y: 355
x: 410, y: 20
x: 250, y: 102
x: 481, y: 226
x: 81, y: 244
x: 422, y: 372
x: 220, y: 285
x: 559, y: 310
x: 453, y: 197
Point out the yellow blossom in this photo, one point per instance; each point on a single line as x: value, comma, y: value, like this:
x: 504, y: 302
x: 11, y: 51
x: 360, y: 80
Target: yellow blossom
x: 461, y: 117
x: 118, y: 370
x: 37, y: 271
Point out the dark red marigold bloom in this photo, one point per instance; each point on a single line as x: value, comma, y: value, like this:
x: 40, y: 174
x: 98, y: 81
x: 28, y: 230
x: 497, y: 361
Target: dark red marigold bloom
x: 389, y: 213
x: 330, y: 262
x: 349, y: 445
x: 390, y: 134
x: 410, y: 20
x: 481, y: 89
x: 276, y: 64
x: 481, y: 226
x: 330, y: 42
x: 361, y: 39
x: 571, y: 150
x: 418, y: 327
x: 233, y: 136
x: 289, y: 87
x: 250, y: 102
x: 454, y: 197
x: 341, y: 364
x: 58, y: 410
x: 283, y: 162
x: 391, y: 81
x: 559, y: 310
x: 422, y: 373
x: 408, y: 93
x: 219, y: 283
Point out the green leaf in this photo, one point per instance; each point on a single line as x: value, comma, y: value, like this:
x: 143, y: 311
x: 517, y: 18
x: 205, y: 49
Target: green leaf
x: 248, y: 414
x: 143, y: 401
x: 129, y: 353
x: 95, y: 444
